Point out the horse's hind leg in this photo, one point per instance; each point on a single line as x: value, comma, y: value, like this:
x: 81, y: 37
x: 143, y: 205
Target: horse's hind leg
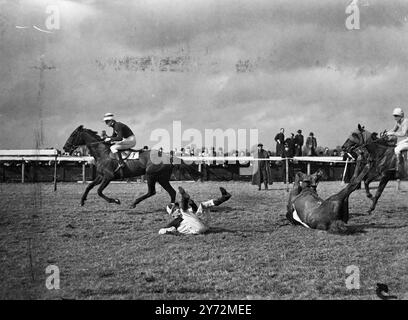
x: 97, y: 181
x: 344, y: 216
x: 165, y: 183
x: 104, y: 184
x: 151, y: 191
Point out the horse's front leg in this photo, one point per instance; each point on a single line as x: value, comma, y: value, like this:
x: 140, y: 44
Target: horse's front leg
x: 383, y: 182
x: 151, y: 191
x: 97, y: 181
x: 104, y: 184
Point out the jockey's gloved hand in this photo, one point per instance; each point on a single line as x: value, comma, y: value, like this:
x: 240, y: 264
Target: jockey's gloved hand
x: 108, y: 139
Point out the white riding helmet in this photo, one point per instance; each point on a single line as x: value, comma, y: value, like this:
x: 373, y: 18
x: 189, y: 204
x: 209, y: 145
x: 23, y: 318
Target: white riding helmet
x: 398, y: 112
x: 108, y: 116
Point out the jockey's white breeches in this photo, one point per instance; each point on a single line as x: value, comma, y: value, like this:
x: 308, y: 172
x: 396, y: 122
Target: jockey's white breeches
x: 401, y: 146
x: 192, y: 224
x: 124, y: 144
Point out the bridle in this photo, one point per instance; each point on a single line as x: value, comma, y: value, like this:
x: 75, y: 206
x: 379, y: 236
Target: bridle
x: 361, y: 147
x: 75, y: 146
x: 363, y: 150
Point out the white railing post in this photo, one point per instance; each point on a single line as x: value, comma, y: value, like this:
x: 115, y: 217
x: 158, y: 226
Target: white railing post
x: 55, y: 173
x: 83, y: 173
x: 22, y: 171
x: 343, y: 180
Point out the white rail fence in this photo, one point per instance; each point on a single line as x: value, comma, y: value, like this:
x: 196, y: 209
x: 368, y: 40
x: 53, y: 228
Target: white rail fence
x: 54, y: 156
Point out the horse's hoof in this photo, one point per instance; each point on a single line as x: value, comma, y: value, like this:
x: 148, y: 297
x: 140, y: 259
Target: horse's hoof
x: 369, y: 196
x: 132, y: 206
x: 369, y: 211
x: 117, y: 201
x: 82, y: 203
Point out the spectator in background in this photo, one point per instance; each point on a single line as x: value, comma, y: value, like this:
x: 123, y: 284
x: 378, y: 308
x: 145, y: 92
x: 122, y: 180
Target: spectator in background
x: 280, y: 143
x: 299, y: 141
x: 290, y: 146
x: 311, y: 145
x: 261, y: 170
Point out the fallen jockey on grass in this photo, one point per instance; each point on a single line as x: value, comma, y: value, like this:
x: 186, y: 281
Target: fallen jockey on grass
x: 190, y: 218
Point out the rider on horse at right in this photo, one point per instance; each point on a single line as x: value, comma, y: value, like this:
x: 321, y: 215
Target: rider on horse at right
x: 400, y: 130
x: 122, y: 138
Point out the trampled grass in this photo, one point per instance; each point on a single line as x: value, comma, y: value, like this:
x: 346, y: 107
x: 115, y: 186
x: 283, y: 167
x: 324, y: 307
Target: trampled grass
x: 106, y: 251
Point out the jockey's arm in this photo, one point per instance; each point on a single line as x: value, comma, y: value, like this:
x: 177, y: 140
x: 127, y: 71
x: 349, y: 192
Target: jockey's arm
x: 402, y: 132
x: 394, y: 129
x: 117, y: 138
x: 117, y: 135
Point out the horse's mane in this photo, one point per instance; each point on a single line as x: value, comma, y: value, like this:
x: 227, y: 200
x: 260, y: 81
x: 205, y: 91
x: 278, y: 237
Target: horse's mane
x: 384, y: 141
x: 93, y: 133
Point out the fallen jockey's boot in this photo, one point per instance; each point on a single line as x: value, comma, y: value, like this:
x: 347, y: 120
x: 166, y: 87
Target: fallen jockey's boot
x: 185, y: 197
x: 193, y: 205
x: 224, y: 197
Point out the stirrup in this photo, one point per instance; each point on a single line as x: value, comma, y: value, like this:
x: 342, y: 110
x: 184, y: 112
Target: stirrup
x: 119, y: 167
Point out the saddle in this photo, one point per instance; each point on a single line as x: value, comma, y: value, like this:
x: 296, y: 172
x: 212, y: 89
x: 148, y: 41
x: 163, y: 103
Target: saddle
x: 128, y: 154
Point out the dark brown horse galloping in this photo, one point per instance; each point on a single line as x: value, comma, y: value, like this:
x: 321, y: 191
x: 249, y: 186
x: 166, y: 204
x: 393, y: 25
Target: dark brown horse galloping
x: 375, y: 152
x: 156, y: 166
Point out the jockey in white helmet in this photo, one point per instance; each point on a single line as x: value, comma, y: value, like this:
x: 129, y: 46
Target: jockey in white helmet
x: 400, y: 131
x: 122, y: 137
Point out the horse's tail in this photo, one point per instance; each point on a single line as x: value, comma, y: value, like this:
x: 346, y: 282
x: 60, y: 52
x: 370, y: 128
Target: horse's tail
x: 338, y: 227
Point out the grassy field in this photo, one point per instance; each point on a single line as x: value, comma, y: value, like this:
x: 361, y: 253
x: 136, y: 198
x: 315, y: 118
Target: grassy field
x: 106, y: 251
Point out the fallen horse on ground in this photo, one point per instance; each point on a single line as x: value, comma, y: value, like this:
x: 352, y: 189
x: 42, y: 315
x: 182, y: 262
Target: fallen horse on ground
x: 306, y: 208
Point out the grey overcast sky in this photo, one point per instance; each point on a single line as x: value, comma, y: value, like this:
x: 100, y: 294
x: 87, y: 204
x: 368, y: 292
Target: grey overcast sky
x: 305, y: 70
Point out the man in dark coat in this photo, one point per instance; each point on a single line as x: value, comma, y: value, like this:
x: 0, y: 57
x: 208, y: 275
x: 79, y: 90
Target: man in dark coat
x: 299, y: 141
x: 261, y: 170
x: 290, y: 146
x: 280, y: 142
x: 311, y: 145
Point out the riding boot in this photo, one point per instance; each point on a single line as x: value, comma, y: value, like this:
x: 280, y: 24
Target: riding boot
x: 121, y: 163
x: 225, y: 195
x: 397, y: 167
